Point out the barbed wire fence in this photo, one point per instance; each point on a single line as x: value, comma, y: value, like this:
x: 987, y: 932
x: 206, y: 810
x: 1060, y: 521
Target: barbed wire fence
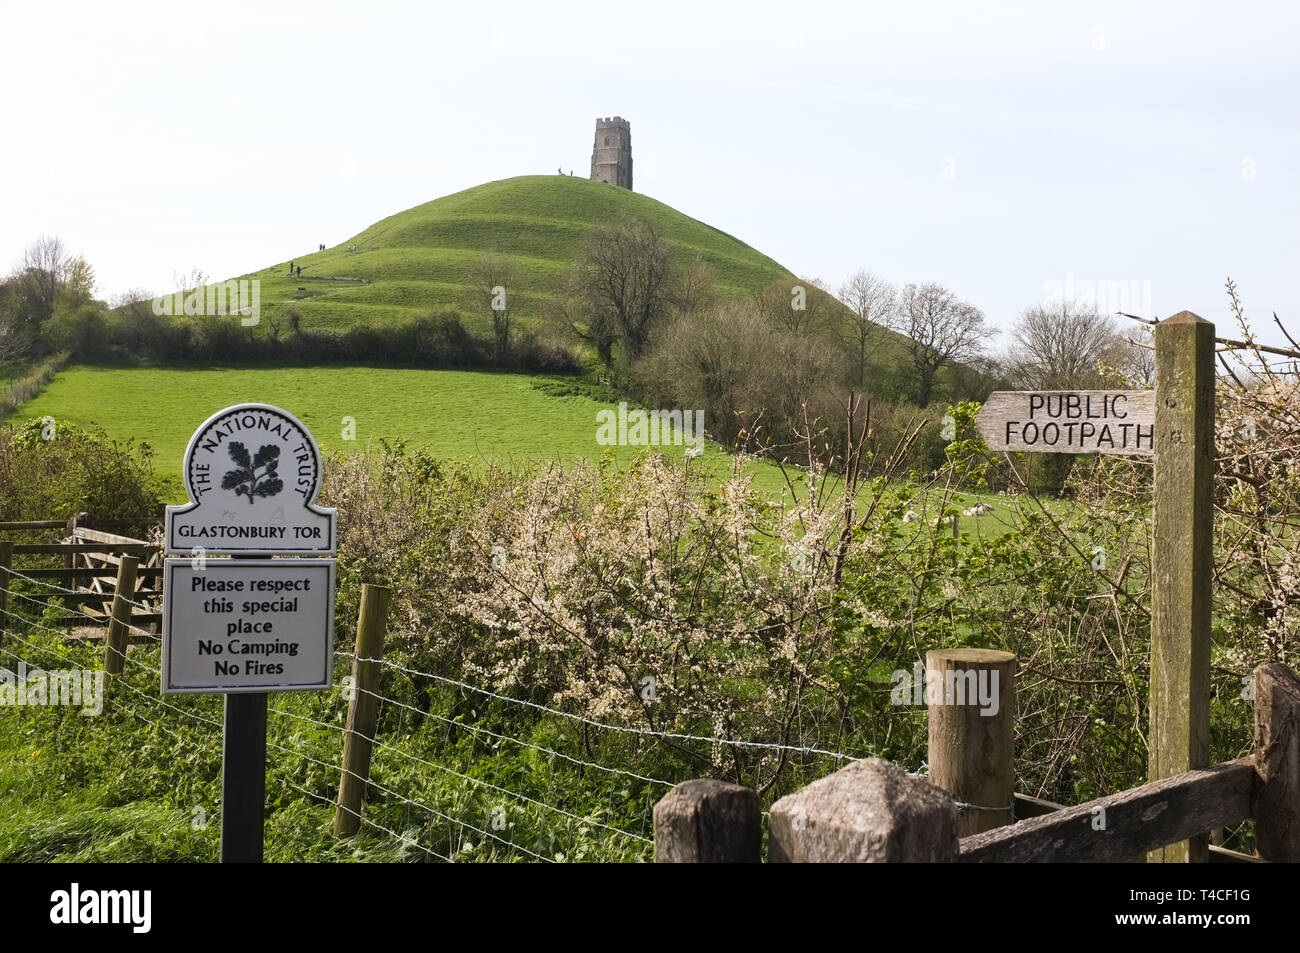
x: 422, y: 806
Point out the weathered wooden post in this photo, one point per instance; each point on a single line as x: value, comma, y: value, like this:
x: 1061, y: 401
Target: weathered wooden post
x: 363, y: 709
x: 868, y: 812
x: 971, y: 698
x: 70, y: 557
x: 119, y: 623
x: 707, y: 821
x: 1182, y: 558
x: 1277, y: 763
x: 6, y: 560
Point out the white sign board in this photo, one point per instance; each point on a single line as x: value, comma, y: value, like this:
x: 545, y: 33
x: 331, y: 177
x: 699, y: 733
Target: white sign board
x: 1076, y: 421
x: 252, y: 472
x: 247, y: 625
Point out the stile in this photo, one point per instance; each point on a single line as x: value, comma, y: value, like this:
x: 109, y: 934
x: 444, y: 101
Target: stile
x: 1125, y: 825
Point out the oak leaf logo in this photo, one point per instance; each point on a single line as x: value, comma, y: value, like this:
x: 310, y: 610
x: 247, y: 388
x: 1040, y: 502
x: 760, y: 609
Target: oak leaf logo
x: 245, y: 479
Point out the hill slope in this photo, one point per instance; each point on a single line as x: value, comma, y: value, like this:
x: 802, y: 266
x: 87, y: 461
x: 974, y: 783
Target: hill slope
x: 415, y: 261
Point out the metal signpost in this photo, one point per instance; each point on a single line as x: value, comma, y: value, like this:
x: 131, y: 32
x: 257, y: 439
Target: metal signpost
x: 248, y: 625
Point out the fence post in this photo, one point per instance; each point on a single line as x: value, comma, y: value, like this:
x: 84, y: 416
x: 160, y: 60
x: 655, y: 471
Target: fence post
x: 1277, y: 763
x: 868, y: 812
x: 706, y: 821
x: 1182, y: 559
x: 70, y: 558
x: 115, y: 642
x: 6, y: 560
x: 972, y: 707
x: 363, y: 709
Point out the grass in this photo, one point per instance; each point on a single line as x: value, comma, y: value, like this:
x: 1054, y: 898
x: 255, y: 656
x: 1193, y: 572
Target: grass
x: 416, y: 261
x: 501, y: 419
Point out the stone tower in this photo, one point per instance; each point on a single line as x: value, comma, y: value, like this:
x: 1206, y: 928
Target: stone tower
x: 611, y: 157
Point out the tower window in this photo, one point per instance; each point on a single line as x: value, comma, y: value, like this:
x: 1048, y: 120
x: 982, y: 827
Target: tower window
x: 607, y: 140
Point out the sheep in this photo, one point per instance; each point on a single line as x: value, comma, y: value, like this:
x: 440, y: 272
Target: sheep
x: 911, y: 516
x: 979, y: 509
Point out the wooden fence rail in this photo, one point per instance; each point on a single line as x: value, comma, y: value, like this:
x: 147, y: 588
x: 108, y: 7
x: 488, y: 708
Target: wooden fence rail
x: 874, y: 811
x: 88, y: 582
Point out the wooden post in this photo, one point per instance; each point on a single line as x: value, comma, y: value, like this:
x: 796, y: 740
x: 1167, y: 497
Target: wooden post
x: 363, y: 709
x: 1182, y: 559
x: 972, y: 701
x: 707, y: 821
x: 1277, y: 763
x: 115, y: 642
x: 6, y: 560
x: 70, y: 558
x: 869, y: 812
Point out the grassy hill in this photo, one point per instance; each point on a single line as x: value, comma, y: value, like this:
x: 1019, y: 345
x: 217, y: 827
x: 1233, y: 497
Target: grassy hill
x: 415, y: 261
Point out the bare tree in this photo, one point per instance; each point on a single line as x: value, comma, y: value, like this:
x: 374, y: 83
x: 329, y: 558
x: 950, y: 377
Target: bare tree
x: 189, y: 281
x: 697, y: 289
x: 40, y: 274
x: 1137, y: 356
x: 871, y: 304
x: 626, y: 279
x: 568, y: 309
x: 45, y: 273
x: 491, y: 278
x: 940, y: 329
x: 708, y: 360
x: 797, y: 305
x: 1061, y: 346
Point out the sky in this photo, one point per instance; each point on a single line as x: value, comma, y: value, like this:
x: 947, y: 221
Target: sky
x: 1138, y: 152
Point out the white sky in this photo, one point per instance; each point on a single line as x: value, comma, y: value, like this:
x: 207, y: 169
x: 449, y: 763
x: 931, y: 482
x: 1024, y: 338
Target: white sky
x: 996, y: 147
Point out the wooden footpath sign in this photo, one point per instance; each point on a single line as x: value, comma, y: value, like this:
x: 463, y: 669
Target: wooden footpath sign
x: 1070, y: 421
x: 1175, y: 423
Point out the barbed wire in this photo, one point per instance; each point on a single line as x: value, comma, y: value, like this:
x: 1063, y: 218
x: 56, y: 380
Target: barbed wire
x: 73, y: 592
x: 518, y: 741
x: 291, y: 751
x: 364, y: 820
x: 371, y: 782
x: 99, y: 621
x: 628, y: 729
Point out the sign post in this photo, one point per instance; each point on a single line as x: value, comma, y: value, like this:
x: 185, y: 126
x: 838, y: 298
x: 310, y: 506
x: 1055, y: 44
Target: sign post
x: 1175, y: 422
x: 248, y: 625
x: 1182, y: 559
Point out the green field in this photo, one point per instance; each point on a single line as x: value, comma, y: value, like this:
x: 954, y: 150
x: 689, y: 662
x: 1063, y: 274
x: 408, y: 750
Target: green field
x: 500, y: 419
x: 505, y: 420
x: 416, y: 261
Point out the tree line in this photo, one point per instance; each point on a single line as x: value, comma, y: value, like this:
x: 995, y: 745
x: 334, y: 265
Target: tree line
x: 790, y: 369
